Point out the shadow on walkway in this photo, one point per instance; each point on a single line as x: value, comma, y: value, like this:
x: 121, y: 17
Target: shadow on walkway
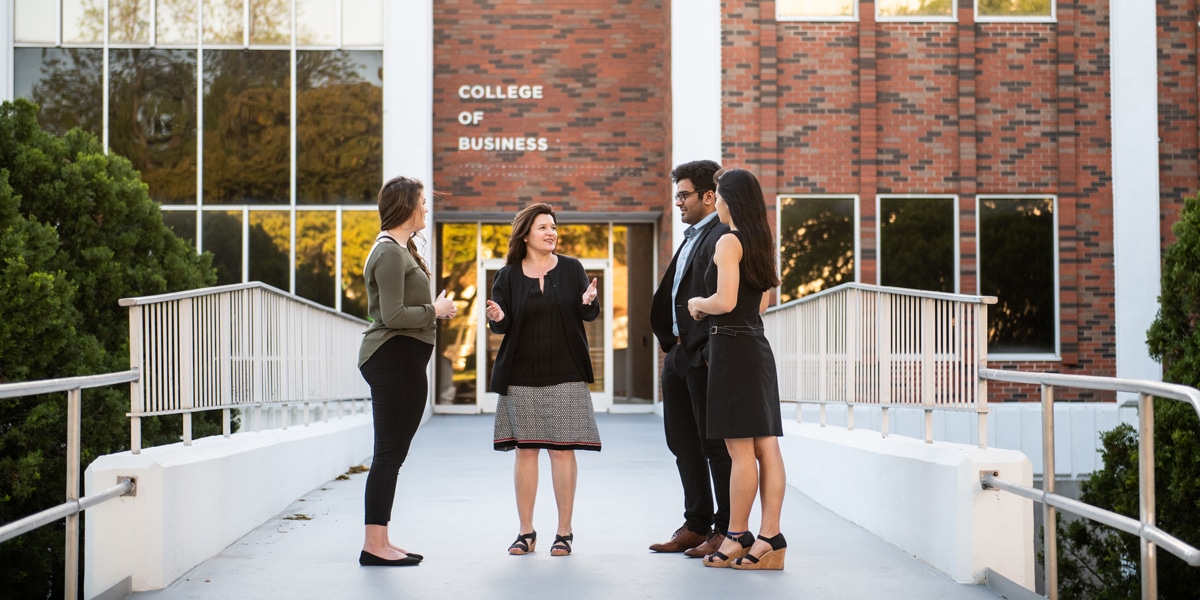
x: 455, y: 505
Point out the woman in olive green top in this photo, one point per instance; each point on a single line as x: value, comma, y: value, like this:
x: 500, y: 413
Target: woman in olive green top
x: 395, y: 354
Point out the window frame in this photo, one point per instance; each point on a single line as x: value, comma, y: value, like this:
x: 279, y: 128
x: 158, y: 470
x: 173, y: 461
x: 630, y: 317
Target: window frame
x: 951, y: 18
x: 1053, y: 18
x: 819, y: 19
x: 1057, y: 275
x: 957, y: 233
x: 855, y: 198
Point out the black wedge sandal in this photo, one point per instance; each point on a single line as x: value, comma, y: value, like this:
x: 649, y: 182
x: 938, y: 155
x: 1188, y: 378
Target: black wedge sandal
x: 718, y: 559
x: 771, y: 560
x: 525, y: 544
x: 562, y: 545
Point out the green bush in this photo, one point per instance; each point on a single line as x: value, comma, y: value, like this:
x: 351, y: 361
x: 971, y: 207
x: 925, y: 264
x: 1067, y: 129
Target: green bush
x: 1097, y: 561
x: 78, y: 232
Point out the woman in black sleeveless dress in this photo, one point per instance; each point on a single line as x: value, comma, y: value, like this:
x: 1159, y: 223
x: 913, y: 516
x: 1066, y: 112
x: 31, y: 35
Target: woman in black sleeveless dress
x: 743, y: 390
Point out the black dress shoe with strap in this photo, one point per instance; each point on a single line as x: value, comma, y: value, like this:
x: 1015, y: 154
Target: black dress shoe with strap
x: 525, y: 544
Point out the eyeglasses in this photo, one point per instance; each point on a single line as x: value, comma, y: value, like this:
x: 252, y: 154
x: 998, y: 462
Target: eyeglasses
x: 683, y: 196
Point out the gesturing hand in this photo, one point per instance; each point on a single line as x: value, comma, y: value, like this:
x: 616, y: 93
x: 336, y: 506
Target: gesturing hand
x: 444, y: 307
x: 589, y: 295
x: 494, y: 312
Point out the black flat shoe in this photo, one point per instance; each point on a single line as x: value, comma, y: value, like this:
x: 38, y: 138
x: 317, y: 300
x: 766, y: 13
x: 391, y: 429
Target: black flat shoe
x: 367, y: 559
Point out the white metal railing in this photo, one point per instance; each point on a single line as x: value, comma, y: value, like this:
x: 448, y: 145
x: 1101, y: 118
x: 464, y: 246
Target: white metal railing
x: 1145, y: 527
x: 859, y: 344
x: 74, y: 505
x: 238, y: 347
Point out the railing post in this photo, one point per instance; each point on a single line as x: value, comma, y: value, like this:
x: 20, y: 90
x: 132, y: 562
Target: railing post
x: 74, y: 411
x: 1049, y: 513
x: 186, y: 346
x: 981, y: 348
x: 927, y: 380
x: 137, y: 399
x: 883, y: 350
x: 1146, y: 498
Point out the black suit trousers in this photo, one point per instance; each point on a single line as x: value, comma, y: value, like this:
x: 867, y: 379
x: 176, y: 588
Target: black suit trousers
x: 703, y: 464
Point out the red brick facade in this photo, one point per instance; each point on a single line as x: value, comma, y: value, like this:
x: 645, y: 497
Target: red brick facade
x: 604, y: 114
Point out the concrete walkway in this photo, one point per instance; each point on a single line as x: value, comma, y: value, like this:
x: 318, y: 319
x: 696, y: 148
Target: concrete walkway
x: 455, y: 505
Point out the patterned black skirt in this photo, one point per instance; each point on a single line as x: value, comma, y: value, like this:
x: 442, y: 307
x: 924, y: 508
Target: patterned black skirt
x: 556, y: 417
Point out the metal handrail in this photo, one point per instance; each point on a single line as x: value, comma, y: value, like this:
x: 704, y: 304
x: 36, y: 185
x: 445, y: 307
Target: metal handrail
x: 74, y: 505
x: 1145, y: 527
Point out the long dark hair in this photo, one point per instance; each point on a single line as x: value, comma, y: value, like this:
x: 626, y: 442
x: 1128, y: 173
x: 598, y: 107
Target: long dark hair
x: 522, y: 224
x: 743, y: 195
x: 398, y: 200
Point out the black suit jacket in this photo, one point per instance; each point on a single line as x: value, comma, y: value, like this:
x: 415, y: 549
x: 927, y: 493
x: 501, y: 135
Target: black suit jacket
x: 565, y: 284
x: 693, y: 333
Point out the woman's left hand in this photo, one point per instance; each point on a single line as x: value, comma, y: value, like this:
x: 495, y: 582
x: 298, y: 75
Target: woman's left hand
x: 694, y: 308
x: 589, y: 295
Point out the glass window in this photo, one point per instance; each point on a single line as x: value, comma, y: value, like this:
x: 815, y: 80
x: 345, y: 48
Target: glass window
x: 915, y: 9
x: 1014, y: 9
x: 247, y: 145
x: 916, y: 243
x: 816, y: 9
x: 223, y: 238
x: 33, y: 24
x: 271, y: 22
x: 1018, y: 231
x: 129, y: 22
x: 316, y: 22
x: 816, y: 245
x: 183, y: 223
x: 82, y: 21
x: 339, y: 136
x: 175, y: 21
x: 67, y: 83
x: 359, y: 228
x: 362, y: 22
x: 494, y: 241
x: 270, y: 237
x: 152, y: 118
x: 316, y: 254
x: 224, y: 21
x: 582, y: 241
x: 456, y: 338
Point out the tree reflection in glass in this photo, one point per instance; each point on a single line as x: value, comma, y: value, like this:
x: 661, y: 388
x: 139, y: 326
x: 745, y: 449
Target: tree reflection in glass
x: 67, y: 83
x: 456, y: 337
x: 270, y: 233
x: 816, y: 245
x: 152, y: 118
x: 359, y: 228
x: 223, y: 237
x: 916, y: 243
x: 339, y: 136
x: 247, y: 145
x: 315, y: 255
x: 1016, y: 265
x: 583, y: 241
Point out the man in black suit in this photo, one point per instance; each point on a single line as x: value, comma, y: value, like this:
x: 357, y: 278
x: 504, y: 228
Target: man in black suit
x: 703, y: 463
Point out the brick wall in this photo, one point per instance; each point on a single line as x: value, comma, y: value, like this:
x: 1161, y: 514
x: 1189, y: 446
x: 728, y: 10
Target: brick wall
x: 604, y: 115
x: 960, y: 108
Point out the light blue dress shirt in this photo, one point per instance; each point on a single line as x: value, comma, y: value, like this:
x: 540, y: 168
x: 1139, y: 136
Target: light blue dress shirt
x: 685, y: 251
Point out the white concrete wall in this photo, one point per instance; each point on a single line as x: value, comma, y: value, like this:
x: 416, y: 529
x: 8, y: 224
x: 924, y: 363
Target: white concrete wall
x: 192, y: 502
x: 925, y: 499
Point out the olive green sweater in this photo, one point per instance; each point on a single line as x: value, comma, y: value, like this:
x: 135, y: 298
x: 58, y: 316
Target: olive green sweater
x: 398, y: 299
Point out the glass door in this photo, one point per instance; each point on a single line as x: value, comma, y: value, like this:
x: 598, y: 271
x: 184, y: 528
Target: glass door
x: 599, y: 336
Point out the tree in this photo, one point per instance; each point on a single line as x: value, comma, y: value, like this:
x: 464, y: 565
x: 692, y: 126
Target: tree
x: 1097, y: 561
x: 78, y: 232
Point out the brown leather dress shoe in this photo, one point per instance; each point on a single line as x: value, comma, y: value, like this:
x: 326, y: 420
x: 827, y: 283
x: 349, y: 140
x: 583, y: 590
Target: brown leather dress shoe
x: 681, y: 540
x: 711, y: 544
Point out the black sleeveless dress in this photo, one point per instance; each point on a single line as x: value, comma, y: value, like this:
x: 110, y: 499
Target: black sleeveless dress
x: 743, y: 389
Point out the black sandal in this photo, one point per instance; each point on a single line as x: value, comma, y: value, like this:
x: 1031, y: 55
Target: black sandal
x: 562, y: 545
x: 525, y: 544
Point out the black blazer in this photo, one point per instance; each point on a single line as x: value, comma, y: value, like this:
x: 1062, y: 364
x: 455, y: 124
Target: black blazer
x: 693, y: 333
x: 565, y: 284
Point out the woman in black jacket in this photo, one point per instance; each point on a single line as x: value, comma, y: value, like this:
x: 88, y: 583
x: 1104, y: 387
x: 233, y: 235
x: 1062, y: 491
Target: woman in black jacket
x: 539, y: 303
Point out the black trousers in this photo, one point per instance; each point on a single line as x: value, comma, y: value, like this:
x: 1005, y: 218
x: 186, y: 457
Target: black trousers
x: 397, y: 376
x: 703, y: 464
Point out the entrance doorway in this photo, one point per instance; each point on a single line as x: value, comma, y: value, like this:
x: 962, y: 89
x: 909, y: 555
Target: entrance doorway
x: 619, y: 256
